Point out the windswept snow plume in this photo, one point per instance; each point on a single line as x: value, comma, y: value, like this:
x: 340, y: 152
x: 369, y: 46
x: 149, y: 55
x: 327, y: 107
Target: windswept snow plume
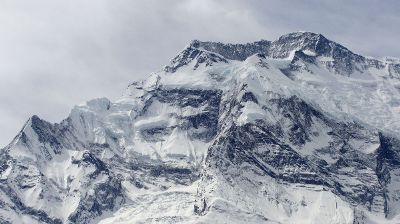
x: 296, y: 130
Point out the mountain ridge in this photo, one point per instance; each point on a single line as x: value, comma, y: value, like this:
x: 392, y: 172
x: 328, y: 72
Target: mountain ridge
x: 304, y: 41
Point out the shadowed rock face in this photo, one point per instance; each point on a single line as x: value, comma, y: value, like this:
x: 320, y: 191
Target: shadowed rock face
x: 106, y: 196
x: 264, y: 148
x: 231, y: 139
x: 234, y: 51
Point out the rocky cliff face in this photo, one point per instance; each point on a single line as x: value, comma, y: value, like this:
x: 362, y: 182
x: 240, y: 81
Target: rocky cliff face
x: 296, y: 130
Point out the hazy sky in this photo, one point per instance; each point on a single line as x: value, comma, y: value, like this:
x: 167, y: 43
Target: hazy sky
x: 55, y: 54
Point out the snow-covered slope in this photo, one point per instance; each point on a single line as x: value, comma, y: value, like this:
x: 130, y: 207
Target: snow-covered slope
x: 297, y: 130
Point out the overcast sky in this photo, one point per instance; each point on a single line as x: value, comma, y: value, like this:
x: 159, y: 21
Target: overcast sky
x: 55, y: 54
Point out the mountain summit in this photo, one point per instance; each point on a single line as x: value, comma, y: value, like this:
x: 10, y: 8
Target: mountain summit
x: 295, y: 130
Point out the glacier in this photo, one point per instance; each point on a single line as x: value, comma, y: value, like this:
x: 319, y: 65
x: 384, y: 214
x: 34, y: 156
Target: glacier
x: 296, y: 130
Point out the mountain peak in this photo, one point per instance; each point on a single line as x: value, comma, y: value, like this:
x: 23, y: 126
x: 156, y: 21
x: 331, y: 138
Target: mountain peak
x: 340, y: 59
x: 287, y: 43
x: 299, y: 40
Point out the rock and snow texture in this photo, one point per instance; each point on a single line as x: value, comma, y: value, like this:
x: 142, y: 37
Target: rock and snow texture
x: 297, y: 130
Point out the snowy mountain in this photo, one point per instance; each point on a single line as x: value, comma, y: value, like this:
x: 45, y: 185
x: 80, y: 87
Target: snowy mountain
x: 297, y: 130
